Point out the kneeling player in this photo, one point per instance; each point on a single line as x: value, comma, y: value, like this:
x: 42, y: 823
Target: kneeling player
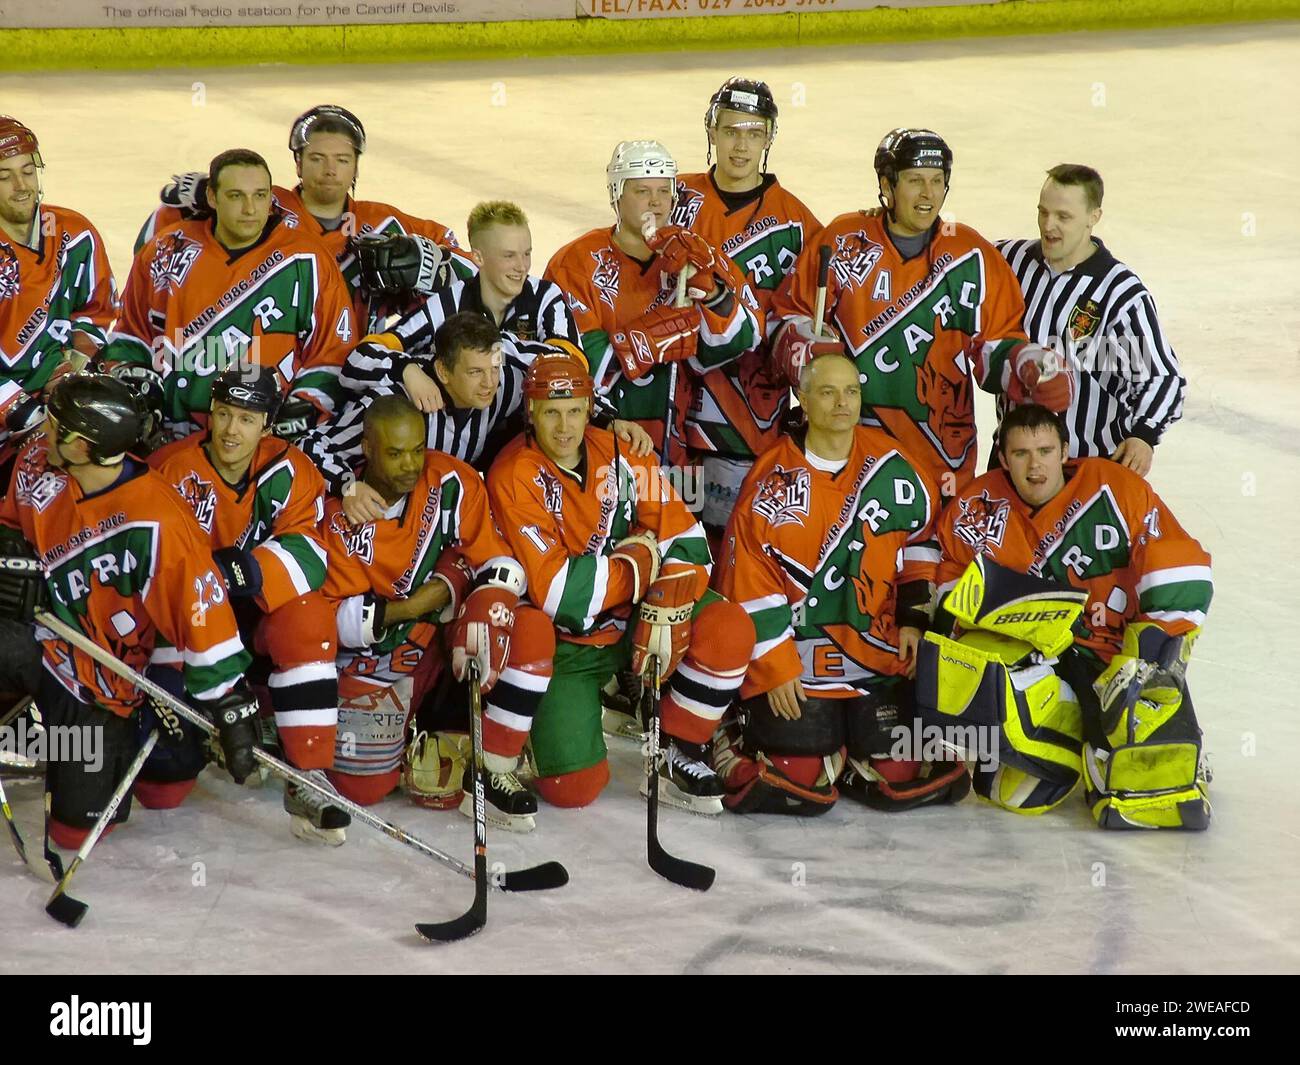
x: 598, y: 532
x: 831, y: 551
x: 102, y: 542
x: 1024, y: 548
x: 261, y: 500
x: 395, y: 581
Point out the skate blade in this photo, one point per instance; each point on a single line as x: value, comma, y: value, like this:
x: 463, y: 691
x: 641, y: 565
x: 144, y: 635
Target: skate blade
x: 506, y: 822
x: 621, y: 726
x: 304, y: 830
x: 671, y: 795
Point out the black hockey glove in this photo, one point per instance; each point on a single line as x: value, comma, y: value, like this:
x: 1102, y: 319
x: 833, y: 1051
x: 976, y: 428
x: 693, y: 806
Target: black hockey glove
x: 235, y: 715
x: 147, y: 384
x: 239, y: 567
x: 23, y: 588
x: 400, y: 264
x: 189, y: 192
x: 296, y: 418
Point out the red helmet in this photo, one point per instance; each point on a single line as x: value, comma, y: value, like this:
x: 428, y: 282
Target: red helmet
x: 558, y: 375
x: 17, y: 139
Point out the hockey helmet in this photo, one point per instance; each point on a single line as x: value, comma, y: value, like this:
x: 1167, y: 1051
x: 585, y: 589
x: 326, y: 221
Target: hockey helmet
x: 908, y: 149
x: 252, y: 387
x: 101, y: 410
x: 633, y: 160
x: 749, y: 97
x: 558, y: 375
x: 303, y: 125
x: 17, y: 139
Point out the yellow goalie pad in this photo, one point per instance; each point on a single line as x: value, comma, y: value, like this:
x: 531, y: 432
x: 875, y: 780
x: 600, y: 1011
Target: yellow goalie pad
x: 1000, y: 600
x: 991, y: 680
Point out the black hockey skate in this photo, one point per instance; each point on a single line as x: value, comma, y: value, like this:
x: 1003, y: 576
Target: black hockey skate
x: 687, y: 779
x: 314, y: 819
x: 509, y: 805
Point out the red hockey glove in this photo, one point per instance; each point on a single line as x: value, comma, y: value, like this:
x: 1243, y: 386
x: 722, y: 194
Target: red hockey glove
x: 680, y: 248
x: 795, y: 346
x: 665, y: 334
x: 458, y: 575
x: 486, y: 620
x: 1039, y: 375
x: 663, y: 624
x: 641, y: 552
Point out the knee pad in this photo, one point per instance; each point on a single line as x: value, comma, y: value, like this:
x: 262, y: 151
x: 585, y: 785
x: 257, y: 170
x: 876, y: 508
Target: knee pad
x: 818, y: 732
x: 798, y: 785
x: 579, y: 788
x: 722, y: 638
x: 300, y: 631
x: 1009, y: 788
x: 532, y: 642
x: 162, y: 795
x: 364, y: 791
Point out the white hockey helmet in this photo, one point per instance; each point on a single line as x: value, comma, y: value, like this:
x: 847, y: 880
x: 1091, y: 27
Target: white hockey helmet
x: 638, y: 159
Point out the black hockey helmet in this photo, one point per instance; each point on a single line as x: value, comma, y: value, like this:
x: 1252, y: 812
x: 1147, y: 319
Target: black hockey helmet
x: 101, y: 410
x: 252, y: 387
x: 747, y: 96
x: 301, y: 130
x: 908, y: 149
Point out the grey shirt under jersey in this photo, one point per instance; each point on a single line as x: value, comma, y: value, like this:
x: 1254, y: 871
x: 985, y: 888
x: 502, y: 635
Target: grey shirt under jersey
x: 910, y: 247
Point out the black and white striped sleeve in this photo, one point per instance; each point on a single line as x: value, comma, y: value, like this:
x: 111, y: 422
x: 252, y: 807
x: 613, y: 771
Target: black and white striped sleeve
x: 335, y: 447
x: 1157, y: 386
x: 554, y: 319
x: 417, y: 329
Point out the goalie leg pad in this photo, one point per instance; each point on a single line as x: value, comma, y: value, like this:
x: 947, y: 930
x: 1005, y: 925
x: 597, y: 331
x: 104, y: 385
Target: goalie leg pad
x: 370, y: 739
x: 819, y: 731
x: 1013, y: 789
x: 872, y: 719
x: 893, y: 785
x: 300, y: 639
x: 510, y: 706
x: 797, y: 785
x: 702, y: 687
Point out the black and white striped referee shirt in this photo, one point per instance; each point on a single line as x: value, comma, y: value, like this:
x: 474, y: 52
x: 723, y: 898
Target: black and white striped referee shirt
x: 1102, y: 316
x: 539, y: 312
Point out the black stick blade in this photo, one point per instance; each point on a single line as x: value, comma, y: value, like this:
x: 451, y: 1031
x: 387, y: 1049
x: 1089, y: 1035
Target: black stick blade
x: 464, y: 926
x: 680, y: 871
x: 65, y: 909
x: 542, y: 877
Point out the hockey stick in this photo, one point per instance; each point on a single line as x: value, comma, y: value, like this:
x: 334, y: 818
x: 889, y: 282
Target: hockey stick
x: 536, y: 878
x: 473, y: 919
x: 823, y: 277
x: 678, y: 870
x: 63, y: 907
x: 14, y: 834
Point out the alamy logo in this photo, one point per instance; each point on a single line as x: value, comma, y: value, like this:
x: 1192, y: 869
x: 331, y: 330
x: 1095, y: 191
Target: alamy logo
x: 77, y: 1018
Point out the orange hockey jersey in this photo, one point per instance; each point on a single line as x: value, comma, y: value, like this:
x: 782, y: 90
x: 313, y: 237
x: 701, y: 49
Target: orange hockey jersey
x: 1106, y: 532
x: 190, y: 310
x: 607, y: 289
x: 48, y: 293
x: 127, y: 565
x: 910, y: 325
x: 275, y: 513
x: 447, y: 510
x: 817, y: 559
x: 738, y: 408
x: 563, y: 525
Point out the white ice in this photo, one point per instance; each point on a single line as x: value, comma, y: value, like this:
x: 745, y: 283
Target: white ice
x: 1196, y: 133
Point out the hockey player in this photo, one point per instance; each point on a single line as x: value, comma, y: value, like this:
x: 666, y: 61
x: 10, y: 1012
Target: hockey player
x: 57, y: 295
x: 327, y: 143
x: 925, y: 308
x: 741, y: 209
x: 620, y: 283
x: 1093, y: 310
x: 261, y: 501
x: 620, y: 566
x: 102, y: 542
x: 831, y: 551
x: 1077, y: 598
x: 396, y: 582
x: 244, y: 287
x: 471, y: 388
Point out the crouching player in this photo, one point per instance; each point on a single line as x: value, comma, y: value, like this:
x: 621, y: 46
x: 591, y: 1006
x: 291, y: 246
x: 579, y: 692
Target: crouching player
x: 102, y: 542
x: 831, y: 551
x: 1077, y: 597
x: 396, y: 581
x: 260, y: 501
x: 600, y: 532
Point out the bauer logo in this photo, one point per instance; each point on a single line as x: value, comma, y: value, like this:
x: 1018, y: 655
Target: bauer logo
x: 115, y: 1019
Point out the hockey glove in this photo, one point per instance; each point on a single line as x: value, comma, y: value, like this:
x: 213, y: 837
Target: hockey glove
x: 795, y: 346
x: 641, y: 552
x: 663, y: 624
x: 23, y: 588
x: 189, y: 192
x: 150, y: 397
x: 664, y: 334
x: 294, y: 420
x: 235, y: 716
x: 680, y: 248
x: 486, y: 620
x: 241, y: 570
x: 401, y: 264
x: 1036, y: 374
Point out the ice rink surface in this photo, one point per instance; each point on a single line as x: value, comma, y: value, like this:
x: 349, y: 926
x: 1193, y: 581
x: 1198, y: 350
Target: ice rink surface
x: 1196, y: 134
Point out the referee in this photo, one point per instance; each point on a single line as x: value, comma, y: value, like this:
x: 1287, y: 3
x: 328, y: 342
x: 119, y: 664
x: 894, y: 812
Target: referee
x: 1082, y: 302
